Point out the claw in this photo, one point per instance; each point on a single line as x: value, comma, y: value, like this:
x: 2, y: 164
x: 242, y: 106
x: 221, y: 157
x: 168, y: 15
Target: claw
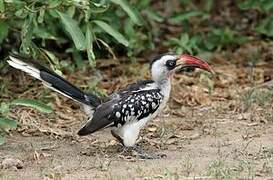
x: 124, y: 150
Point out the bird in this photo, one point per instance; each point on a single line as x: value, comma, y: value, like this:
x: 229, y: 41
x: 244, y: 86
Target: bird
x: 127, y: 110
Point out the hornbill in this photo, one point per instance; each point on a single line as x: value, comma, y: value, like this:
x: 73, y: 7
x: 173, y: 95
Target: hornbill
x: 127, y: 110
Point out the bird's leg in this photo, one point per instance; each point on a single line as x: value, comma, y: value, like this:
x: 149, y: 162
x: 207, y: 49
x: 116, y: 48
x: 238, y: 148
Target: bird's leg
x: 117, y: 136
x: 144, y: 155
x: 119, y: 139
x: 141, y: 153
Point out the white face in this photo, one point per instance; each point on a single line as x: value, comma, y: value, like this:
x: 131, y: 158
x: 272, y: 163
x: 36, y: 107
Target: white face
x: 162, y: 67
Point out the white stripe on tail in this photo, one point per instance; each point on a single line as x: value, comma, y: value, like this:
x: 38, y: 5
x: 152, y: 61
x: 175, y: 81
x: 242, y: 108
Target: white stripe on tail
x: 56, y: 83
x: 32, y: 71
x: 18, y: 64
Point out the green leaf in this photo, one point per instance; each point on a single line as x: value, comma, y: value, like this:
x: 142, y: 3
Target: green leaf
x: 262, y: 5
x: 4, y: 108
x: 100, y: 4
x: 33, y: 104
x: 2, y: 139
x: 71, y: 11
x: 43, y: 33
x: 247, y: 4
x: 265, y: 27
x: 71, y: 26
x: 176, y: 19
x: 132, y: 13
x: 6, y: 123
x: 208, y: 5
x: 54, y: 4
x: 54, y: 62
x: 207, y: 81
x: 153, y: 15
x: 114, y: 33
x: 89, y: 45
x: 41, y: 15
x: 2, y: 6
x: 4, y: 29
x: 77, y: 57
x: 26, y: 33
x: 267, y: 6
x: 185, y: 38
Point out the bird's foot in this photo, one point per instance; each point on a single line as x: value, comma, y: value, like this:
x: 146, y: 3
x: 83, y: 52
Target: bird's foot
x: 144, y: 155
x: 130, y: 151
x: 125, y: 152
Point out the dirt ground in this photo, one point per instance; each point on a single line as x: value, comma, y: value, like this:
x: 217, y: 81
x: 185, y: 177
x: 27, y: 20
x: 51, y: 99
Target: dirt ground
x: 223, y: 134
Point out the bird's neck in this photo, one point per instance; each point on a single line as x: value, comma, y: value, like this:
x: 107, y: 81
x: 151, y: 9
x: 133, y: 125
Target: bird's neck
x: 165, y: 86
x: 165, y: 89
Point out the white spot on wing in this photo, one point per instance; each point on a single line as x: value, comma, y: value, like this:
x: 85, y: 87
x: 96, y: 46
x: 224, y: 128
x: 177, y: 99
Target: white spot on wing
x: 118, y: 114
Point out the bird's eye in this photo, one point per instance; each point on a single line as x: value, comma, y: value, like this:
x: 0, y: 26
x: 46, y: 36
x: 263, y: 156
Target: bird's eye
x: 171, y: 64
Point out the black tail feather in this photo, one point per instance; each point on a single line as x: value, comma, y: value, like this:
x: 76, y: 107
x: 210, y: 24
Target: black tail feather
x: 53, y: 80
x: 59, y: 83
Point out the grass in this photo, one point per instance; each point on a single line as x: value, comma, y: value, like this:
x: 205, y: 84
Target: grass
x: 170, y: 175
x: 188, y: 166
x: 259, y: 101
x: 226, y: 168
x: 220, y: 168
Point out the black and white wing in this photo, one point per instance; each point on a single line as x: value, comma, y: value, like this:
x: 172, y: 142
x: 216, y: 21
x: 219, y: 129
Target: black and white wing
x: 100, y: 118
x: 119, y: 110
x: 137, y: 86
x: 136, y: 105
x: 141, y: 84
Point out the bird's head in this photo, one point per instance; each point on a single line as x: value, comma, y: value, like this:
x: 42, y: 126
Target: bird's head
x: 163, y: 65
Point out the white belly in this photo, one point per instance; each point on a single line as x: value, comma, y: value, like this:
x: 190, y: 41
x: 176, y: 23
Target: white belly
x: 129, y: 132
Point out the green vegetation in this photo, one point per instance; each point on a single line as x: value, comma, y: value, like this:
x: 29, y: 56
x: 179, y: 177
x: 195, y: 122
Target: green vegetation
x: 261, y: 100
x: 89, y: 29
x: 69, y: 26
x: 7, y: 123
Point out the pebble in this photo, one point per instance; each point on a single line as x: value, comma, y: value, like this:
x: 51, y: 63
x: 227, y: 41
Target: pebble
x: 11, y: 162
